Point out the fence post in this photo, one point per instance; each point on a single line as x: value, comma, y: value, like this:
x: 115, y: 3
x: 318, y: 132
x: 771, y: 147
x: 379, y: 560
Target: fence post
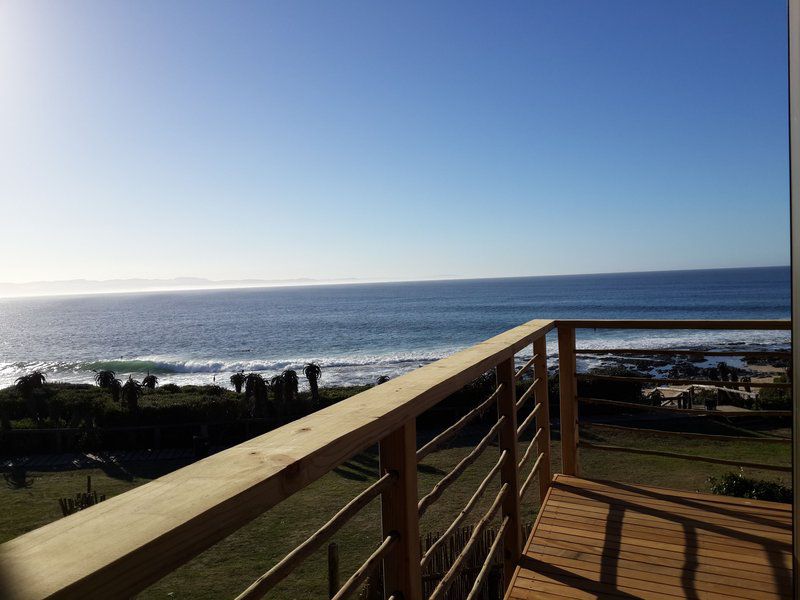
x: 509, y: 474
x: 333, y: 569
x: 568, y: 400
x: 543, y: 418
x: 399, y: 513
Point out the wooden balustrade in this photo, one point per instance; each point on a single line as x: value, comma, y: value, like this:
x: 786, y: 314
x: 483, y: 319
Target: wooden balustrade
x: 570, y: 399
x: 567, y: 400
x: 118, y: 548
x: 541, y: 393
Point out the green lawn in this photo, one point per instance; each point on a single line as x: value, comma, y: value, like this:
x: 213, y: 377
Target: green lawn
x: 227, y: 568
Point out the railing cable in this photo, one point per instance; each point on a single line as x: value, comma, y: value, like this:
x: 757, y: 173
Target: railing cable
x: 448, y: 479
x: 458, y: 425
x: 464, y: 511
x: 281, y: 570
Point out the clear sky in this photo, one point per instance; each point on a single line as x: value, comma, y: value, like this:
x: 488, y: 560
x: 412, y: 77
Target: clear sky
x: 390, y: 140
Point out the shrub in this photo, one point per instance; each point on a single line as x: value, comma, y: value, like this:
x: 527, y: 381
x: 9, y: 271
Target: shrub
x: 622, y: 391
x: 774, y: 398
x: 736, y: 484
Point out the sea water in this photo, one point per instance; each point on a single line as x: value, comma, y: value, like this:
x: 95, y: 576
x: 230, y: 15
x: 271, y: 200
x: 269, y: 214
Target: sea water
x: 359, y: 332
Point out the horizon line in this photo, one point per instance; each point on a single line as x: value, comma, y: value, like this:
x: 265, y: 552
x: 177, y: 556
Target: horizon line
x: 310, y: 282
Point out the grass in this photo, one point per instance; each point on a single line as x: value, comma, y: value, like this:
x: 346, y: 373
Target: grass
x: 229, y: 566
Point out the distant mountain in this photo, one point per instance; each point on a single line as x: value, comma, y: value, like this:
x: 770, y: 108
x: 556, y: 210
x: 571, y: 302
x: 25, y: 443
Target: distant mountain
x: 108, y: 286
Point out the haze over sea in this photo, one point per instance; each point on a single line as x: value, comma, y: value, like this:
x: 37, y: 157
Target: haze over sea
x: 359, y: 332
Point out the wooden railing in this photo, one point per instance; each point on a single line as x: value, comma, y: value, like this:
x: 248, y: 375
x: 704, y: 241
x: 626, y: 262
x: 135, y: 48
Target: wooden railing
x: 570, y: 399
x: 123, y: 545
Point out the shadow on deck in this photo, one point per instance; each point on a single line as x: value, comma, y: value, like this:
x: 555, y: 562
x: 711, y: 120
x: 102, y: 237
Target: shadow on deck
x: 599, y: 539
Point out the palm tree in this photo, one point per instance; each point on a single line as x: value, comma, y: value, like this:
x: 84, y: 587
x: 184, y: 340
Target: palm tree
x: 105, y: 379
x: 131, y: 392
x: 290, y: 383
x: 382, y: 379
x: 27, y: 383
x: 256, y: 388
x: 150, y: 382
x: 237, y: 381
x: 313, y: 373
x: 108, y: 381
x: 37, y: 378
x: 277, y: 385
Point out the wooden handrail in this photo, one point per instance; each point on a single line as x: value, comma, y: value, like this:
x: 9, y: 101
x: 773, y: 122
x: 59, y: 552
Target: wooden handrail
x: 725, y: 324
x: 162, y: 524
x: 666, y: 352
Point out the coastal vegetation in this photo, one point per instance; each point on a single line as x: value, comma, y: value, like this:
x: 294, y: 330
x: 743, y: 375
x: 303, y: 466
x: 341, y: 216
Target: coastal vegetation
x: 313, y: 372
x: 739, y: 485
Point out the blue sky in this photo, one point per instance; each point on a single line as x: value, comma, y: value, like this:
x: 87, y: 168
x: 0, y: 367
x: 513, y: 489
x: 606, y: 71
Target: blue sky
x: 393, y: 141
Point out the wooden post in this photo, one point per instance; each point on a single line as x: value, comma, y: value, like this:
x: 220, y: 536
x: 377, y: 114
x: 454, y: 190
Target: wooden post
x: 543, y: 418
x: 398, y: 453
x: 568, y: 403
x: 333, y: 569
x: 509, y: 473
x: 794, y: 186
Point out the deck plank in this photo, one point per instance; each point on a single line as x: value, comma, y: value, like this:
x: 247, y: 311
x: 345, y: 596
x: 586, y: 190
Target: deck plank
x: 599, y: 539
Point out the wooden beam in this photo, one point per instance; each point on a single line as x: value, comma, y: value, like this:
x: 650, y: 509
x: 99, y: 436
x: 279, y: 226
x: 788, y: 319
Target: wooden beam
x: 670, y: 352
x: 689, y: 435
x: 794, y: 189
x: 543, y: 421
x: 121, y: 546
x: 509, y: 473
x: 689, y: 457
x: 733, y: 325
x: 719, y: 384
x: 399, y: 516
x: 689, y: 411
x: 568, y: 403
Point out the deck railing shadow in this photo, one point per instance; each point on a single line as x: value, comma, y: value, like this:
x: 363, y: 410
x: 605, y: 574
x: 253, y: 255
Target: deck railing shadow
x: 773, y: 549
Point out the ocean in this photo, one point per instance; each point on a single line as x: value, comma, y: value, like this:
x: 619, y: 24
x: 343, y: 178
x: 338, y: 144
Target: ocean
x: 359, y: 332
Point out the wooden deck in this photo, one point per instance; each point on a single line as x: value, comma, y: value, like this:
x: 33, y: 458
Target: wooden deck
x: 598, y: 539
